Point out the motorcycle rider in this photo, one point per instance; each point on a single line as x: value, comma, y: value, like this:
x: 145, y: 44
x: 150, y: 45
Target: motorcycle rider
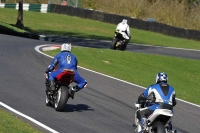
x: 161, y: 94
x: 65, y: 60
x: 123, y: 28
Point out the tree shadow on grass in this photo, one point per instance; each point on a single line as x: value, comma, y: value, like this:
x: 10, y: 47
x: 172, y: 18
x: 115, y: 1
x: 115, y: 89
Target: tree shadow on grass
x: 70, y: 34
x: 59, y: 35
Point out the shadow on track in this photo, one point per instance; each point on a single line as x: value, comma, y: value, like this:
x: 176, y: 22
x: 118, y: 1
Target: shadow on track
x: 78, y: 108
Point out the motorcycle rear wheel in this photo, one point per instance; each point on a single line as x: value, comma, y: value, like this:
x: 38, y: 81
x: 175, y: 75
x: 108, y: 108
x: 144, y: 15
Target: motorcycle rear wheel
x: 123, y: 48
x: 113, y: 44
x: 158, y: 127
x: 62, y: 98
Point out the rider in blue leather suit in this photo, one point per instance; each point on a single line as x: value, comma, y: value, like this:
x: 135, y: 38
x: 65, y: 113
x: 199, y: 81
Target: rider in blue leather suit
x: 65, y: 60
x: 161, y: 94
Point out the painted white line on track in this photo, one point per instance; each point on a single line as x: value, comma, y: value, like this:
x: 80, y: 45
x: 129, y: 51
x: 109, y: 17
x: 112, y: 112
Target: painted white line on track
x: 50, y: 48
x: 166, y: 47
x: 37, y: 48
x: 29, y: 118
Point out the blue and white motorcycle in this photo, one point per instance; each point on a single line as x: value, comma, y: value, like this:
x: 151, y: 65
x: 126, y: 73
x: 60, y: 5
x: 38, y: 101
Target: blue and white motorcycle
x: 157, y: 122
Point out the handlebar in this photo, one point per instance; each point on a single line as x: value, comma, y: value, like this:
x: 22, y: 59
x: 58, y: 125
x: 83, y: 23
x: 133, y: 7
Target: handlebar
x: 149, y: 101
x: 145, y: 103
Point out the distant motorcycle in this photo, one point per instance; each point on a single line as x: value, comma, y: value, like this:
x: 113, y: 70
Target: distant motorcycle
x: 156, y: 122
x: 60, y: 96
x: 118, y: 41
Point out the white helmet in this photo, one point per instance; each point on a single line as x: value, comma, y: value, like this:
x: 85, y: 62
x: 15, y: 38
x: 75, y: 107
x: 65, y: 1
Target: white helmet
x: 66, y: 47
x: 124, y: 21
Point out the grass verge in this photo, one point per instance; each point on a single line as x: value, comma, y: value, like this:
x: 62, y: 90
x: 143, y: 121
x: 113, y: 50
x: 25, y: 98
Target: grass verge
x: 11, y: 27
x: 12, y: 124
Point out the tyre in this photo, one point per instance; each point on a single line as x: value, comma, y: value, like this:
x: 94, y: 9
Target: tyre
x: 113, y: 44
x: 62, y: 98
x: 124, y: 47
x: 158, y: 127
x: 48, y: 103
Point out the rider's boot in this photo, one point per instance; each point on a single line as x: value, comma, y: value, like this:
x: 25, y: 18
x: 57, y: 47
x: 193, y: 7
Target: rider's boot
x: 72, y: 91
x: 174, y: 131
x: 169, y: 128
x: 47, y: 83
x: 52, y: 86
x: 144, y: 123
x: 123, y: 42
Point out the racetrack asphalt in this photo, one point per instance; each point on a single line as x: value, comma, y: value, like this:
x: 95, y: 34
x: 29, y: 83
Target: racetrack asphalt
x: 106, y: 105
x: 142, y: 48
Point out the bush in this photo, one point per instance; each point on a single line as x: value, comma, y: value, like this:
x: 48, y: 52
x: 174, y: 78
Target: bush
x: 176, y: 13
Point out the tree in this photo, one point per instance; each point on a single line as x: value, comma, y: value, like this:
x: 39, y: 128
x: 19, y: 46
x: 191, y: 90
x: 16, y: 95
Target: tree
x: 19, y: 23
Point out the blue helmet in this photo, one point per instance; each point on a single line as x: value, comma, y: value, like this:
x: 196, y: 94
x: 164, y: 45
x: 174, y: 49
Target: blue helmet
x: 161, y: 77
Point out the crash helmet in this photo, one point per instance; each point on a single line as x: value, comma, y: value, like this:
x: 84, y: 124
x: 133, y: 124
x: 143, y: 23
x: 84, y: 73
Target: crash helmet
x: 161, y: 77
x: 124, y: 21
x: 66, y: 47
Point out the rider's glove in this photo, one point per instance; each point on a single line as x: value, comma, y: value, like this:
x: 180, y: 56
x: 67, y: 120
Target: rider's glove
x: 47, y: 71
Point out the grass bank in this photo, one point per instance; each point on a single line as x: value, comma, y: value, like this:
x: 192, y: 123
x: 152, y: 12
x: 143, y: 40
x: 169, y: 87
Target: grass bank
x: 12, y: 124
x: 11, y: 27
x: 57, y: 24
x: 142, y: 68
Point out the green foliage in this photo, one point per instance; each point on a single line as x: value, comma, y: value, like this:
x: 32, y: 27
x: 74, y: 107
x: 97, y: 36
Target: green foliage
x: 26, y: 1
x: 172, y: 12
x: 90, y: 4
x: 36, y: 1
x: 192, y: 1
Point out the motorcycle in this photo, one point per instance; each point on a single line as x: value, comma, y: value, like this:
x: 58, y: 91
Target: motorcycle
x: 157, y: 122
x: 60, y: 96
x: 118, y: 41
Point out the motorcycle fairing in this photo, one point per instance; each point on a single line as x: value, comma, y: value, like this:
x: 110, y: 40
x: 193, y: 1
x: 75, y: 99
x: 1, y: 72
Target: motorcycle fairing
x: 66, y: 77
x: 164, y: 115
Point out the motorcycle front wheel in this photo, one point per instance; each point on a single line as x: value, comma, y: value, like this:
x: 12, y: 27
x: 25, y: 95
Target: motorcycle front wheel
x: 62, y: 98
x: 158, y: 127
x: 48, y: 103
